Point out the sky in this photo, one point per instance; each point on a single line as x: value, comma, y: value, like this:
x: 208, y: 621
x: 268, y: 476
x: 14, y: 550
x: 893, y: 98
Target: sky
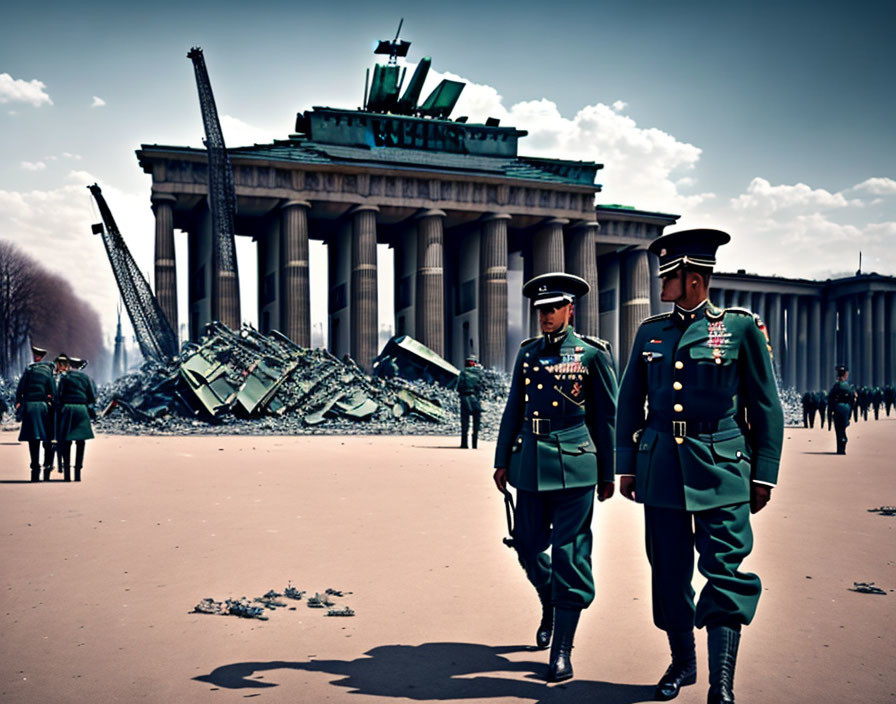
x: 771, y: 120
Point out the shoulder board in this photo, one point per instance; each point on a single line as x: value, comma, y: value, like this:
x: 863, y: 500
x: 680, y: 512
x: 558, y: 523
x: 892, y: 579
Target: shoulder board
x: 738, y: 311
x: 596, y: 342
x: 658, y: 316
x: 531, y: 339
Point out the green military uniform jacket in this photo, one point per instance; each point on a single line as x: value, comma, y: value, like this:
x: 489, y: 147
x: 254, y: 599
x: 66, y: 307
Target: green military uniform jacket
x: 76, y: 398
x: 842, y: 399
x: 35, y: 393
x: 557, y: 431
x: 714, y: 421
x: 468, y: 387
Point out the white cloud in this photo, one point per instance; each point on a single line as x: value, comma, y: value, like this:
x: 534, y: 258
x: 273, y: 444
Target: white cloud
x: 97, y: 102
x: 240, y: 134
x: 69, y: 155
x: 762, y: 197
x: 33, y: 165
x: 619, y: 105
x: 876, y: 187
x: 15, y: 90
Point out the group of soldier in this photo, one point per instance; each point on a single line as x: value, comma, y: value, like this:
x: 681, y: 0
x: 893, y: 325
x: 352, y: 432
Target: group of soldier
x: 694, y: 432
x: 867, y: 398
x: 55, y: 403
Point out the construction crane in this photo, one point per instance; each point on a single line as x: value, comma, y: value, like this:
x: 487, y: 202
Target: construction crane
x: 225, y: 303
x: 154, y: 334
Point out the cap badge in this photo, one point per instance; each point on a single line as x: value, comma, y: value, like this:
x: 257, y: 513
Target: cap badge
x: 663, y: 252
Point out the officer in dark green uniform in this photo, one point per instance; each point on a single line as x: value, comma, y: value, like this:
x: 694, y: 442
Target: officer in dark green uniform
x: 822, y: 406
x: 842, y: 401
x: 468, y: 387
x: 889, y: 397
x: 810, y: 408
x: 694, y: 461
x: 34, y: 401
x: 877, y: 398
x: 555, y: 445
x: 76, y: 398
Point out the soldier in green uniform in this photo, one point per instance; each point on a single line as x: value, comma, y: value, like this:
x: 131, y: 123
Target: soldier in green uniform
x: 76, y: 398
x: 810, y: 408
x: 842, y: 402
x: 877, y: 397
x: 889, y: 397
x: 822, y: 407
x: 555, y: 444
x: 705, y: 455
x: 468, y: 387
x: 34, y: 401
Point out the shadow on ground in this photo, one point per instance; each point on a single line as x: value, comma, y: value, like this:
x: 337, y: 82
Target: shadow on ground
x: 437, y: 671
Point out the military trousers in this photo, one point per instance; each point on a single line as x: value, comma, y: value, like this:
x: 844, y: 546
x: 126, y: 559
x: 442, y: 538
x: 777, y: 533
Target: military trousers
x: 723, y: 538
x: 465, y: 417
x: 841, y: 421
x: 553, y: 540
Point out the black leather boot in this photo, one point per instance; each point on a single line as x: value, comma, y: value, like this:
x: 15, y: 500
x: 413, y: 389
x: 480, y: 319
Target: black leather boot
x: 77, y: 473
x: 546, y: 627
x: 565, y: 622
x: 475, y: 440
x: 683, y: 670
x: 48, y: 469
x: 723, y: 642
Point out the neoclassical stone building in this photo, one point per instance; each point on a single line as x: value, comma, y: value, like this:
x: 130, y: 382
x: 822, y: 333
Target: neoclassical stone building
x: 469, y: 219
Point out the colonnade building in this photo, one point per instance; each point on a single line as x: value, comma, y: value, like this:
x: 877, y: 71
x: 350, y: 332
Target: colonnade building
x: 468, y: 220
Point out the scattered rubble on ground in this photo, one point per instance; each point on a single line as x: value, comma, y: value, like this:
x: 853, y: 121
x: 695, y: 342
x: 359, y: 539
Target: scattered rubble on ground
x: 249, y: 383
x: 271, y: 600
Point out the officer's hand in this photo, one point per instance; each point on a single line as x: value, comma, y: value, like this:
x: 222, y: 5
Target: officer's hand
x: 760, y: 495
x: 627, y: 487
x: 500, y: 477
x: 605, y: 490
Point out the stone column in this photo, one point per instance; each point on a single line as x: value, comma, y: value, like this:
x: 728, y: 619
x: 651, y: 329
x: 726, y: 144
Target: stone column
x: 792, y: 361
x: 546, y: 255
x: 828, y: 343
x: 165, y: 265
x: 776, y: 339
x: 295, y: 292
x: 847, y: 334
x: 815, y: 343
x: 803, y: 347
x: 363, y: 292
x: 891, y: 338
x: 880, y: 348
x: 582, y: 261
x: 429, y: 302
x: 867, y: 339
x: 634, y: 301
x: 493, y: 291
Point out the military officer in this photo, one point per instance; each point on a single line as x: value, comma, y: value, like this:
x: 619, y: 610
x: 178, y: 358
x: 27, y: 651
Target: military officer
x: 877, y: 397
x: 468, y: 387
x: 810, y: 408
x: 842, y: 401
x: 889, y: 397
x: 34, y: 401
x: 76, y: 398
x: 694, y: 461
x: 555, y: 444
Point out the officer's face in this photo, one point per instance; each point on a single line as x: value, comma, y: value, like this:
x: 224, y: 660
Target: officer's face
x: 553, y: 318
x: 672, y: 286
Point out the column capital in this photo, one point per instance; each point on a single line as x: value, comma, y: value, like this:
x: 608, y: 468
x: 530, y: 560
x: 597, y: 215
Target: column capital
x: 363, y: 207
x: 431, y: 213
x: 562, y: 222
x: 495, y: 216
x: 160, y: 198
x: 582, y: 224
x: 295, y: 204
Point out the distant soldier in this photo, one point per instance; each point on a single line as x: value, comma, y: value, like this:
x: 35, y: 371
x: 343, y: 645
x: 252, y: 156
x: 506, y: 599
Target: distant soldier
x: 555, y: 445
x: 469, y: 387
x: 76, y: 398
x: 842, y: 400
x: 822, y: 407
x: 889, y: 397
x: 3, y: 408
x: 864, y: 401
x: 810, y: 408
x: 34, y: 400
x: 877, y: 397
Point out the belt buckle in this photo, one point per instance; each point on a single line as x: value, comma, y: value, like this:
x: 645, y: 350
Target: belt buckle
x: 537, y: 424
x: 679, y: 429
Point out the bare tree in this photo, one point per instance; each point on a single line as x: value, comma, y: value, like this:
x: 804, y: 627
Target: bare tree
x: 39, y: 306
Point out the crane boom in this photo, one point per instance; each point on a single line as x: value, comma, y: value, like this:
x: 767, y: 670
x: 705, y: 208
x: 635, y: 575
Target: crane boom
x: 222, y: 203
x: 154, y: 334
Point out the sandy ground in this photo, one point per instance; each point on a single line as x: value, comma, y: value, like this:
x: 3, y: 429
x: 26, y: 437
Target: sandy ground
x: 99, y: 578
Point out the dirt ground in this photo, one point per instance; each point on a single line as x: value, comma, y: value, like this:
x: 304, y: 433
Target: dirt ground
x: 100, y: 578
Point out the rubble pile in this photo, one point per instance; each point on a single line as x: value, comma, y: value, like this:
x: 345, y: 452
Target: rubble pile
x: 792, y: 403
x: 248, y: 383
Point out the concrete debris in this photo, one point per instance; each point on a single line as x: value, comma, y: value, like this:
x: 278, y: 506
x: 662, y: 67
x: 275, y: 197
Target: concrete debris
x: 248, y: 383
x: 244, y: 608
x: 866, y: 588
x: 884, y: 510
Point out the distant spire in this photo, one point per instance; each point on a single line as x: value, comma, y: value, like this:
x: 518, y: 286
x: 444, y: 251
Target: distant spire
x: 118, y: 359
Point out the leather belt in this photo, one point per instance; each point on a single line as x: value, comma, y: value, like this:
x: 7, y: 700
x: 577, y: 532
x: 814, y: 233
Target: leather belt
x: 546, y: 426
x: 711, y: 431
